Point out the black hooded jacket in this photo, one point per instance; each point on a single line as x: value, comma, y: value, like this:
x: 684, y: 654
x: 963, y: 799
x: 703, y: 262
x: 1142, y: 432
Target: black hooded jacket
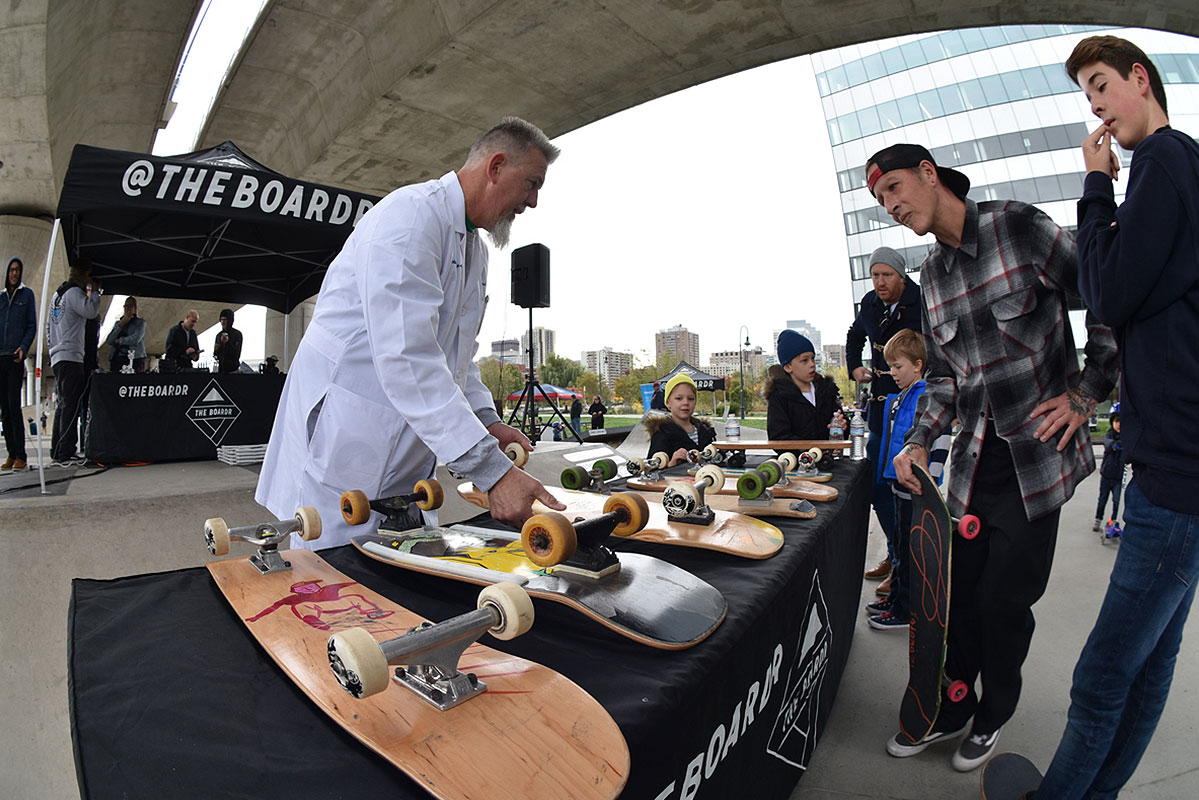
x: 789, y: 415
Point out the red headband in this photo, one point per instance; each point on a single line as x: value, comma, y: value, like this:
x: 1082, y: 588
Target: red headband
x: 873, y: 177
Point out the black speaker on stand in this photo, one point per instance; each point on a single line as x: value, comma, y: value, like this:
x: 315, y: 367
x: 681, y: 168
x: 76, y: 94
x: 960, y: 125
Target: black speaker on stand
x: 531, y: 289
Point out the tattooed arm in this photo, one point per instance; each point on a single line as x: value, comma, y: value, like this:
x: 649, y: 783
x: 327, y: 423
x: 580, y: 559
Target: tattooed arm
x: 1071, y: 409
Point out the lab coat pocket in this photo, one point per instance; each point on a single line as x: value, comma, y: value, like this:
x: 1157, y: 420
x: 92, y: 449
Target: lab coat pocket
x: 352, y: 442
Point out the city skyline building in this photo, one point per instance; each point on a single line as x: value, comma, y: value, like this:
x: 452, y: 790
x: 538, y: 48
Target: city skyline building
x: 728, y: 362
x: 506, y: 351
x: 807, y: 329
x: 678, y: 340
x: 993, y: 103
x: 607, y: 363
x: 543, y: 345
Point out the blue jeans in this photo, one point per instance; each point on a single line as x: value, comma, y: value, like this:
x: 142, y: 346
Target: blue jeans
x: 1109, y: 488
x: 1123, y: 676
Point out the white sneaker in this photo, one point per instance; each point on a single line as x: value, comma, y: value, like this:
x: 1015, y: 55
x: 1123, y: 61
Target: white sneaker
x: 974, y: 750
x: 899, y: 749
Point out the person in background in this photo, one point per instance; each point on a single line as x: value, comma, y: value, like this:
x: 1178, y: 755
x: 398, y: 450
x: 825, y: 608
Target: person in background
x: 183, y: 346
x: 800, y: 403
x: 657, y: 401
x: 576, y: 415
x: 892, y: 305
x: 680, y: 432
x: 76, y: 301
x: 18, y: 326
x: 227, y: 348
x: 127, y: 340
x: 1111, y: 471
x: 597, y: 409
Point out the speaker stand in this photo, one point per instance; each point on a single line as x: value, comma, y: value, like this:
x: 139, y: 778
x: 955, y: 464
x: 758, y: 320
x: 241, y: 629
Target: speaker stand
x: 530, y: 423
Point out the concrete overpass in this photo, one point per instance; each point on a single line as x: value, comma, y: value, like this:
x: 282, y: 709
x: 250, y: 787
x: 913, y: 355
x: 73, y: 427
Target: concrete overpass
x: 373, y: 95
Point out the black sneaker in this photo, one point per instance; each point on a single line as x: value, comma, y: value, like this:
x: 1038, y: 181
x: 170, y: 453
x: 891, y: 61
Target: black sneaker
x: 878, y: 606
x: 887, y: 621
x: 974, y: 750
x: 897, y: 748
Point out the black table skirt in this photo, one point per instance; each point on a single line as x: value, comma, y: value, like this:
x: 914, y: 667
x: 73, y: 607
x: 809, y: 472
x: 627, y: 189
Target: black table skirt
x: 170, y: 695
x: 176, y: 417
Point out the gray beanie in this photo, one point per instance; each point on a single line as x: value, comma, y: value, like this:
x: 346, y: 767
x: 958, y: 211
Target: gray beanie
x: 885, y: 255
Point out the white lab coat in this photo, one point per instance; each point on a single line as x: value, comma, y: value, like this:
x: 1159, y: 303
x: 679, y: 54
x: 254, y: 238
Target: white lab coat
x: 383, y: 384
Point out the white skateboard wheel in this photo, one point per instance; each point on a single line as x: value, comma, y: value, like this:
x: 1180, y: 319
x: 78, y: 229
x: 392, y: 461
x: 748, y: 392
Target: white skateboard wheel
x: 310, y: 523
x: 789, y: 461
x: 518, y: 454
x: 358, y: 662
x: 713, y: 474
x: 710, y: 452
x: 514, y: 606
x: 661, y: 459
x: 680, y: 499
x: 216, y: 536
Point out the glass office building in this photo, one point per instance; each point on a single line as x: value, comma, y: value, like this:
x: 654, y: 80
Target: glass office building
x: 994, y: 103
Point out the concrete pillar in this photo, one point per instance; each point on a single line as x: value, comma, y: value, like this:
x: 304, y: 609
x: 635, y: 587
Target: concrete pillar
x: 297, y: 323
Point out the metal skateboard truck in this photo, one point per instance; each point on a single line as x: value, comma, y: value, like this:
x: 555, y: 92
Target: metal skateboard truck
x: 590, y: 480
x: 685, y: 501
x: 753, y: 486
x: 267, y: 535
x: 356, y: 508
x: 429, y: 654
x: 650, y: 467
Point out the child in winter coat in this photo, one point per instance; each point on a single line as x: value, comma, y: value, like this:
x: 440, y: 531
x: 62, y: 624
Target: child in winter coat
x: 680, y: 432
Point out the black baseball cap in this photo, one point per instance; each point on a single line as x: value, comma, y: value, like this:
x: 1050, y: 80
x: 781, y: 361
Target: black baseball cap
x: 907, y: 156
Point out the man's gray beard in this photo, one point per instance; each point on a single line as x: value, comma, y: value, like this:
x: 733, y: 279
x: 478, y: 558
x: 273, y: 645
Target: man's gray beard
x: 500, y: 232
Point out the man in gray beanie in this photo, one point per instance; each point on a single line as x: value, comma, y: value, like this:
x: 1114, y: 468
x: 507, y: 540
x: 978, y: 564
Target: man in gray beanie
x: 892, y: 306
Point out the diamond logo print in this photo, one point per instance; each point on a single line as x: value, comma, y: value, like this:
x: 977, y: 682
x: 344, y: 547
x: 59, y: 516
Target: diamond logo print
x: 214, y: 412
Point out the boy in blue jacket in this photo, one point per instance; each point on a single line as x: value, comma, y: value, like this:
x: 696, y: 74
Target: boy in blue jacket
x: 906, y: 354
x: 1136, y: 268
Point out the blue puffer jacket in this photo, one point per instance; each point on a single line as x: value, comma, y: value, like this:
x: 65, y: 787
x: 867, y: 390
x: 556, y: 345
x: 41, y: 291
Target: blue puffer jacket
x: 896, y: 429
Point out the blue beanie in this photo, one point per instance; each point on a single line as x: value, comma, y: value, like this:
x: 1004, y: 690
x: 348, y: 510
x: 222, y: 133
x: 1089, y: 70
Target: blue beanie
x: 792, y: 344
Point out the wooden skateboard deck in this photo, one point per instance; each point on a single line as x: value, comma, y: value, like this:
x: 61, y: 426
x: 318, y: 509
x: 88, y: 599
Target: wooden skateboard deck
x: 647, y: 599
x: 532, y: 734
x: 1009, y: 776
x: 795, y: 488
x: 795, y: 508
x: 782, y: 444
x: 732, y: 533
x: 929, y: 567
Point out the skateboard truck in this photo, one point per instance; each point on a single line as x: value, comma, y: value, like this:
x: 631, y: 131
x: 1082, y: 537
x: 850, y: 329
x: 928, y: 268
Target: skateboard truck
x: 590, y: 480
x: 685, y: 502
x: 267, y: 535
x: 555, y: 543
x: 807, y: 463
x: 753, y: 487
x: 650, y: 467
x: 427, y: 495
x: 426, y: 657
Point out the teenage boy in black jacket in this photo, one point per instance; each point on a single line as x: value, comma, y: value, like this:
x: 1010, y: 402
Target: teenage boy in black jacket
x: 1137, y: 266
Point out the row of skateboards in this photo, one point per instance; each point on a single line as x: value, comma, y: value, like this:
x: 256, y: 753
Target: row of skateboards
x: 464, y: 713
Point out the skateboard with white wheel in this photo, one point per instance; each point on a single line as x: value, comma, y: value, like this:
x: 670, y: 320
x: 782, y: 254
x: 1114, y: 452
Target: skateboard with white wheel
x: 450, y: 712
x: 770, y: 479
x: 1009, y: 776
x: 732, y: 453
x: 696, y: 499
x: 930, y: 566
x: 651, y: 466
x: 729, y: 532
x: 590, y: 480
x: 568, y: 561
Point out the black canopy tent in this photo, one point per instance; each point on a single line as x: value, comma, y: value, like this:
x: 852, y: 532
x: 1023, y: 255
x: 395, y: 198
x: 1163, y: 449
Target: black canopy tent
x: 209, y: 225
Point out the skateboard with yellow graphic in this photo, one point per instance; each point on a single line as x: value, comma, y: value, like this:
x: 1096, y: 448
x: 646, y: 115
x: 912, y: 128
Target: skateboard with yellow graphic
x: 554, y: 558
x: 459, y: 718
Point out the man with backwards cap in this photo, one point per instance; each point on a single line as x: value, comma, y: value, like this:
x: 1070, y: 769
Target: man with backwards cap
x: 1001, y: 359
x: 893, y: 305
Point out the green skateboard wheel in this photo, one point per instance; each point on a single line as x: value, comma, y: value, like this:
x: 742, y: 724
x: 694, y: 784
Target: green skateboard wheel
x: 606, y: 467
x: 575, y: 478
x: 751, y: 484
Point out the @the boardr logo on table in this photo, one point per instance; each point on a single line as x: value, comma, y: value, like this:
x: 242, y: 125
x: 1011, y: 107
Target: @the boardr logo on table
x: 214, y: 412
x: 793, y: 737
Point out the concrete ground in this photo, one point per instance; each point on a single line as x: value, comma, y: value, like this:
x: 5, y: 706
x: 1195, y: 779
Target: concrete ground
x: 144, y: 519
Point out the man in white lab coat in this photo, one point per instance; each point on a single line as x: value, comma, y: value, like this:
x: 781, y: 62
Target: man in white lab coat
x: 383, y: 385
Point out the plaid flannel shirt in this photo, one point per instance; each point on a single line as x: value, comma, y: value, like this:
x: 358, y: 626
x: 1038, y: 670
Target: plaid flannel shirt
x: 999, y: 342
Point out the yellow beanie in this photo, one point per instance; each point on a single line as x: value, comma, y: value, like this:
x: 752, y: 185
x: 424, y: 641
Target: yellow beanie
x: 682, y: 377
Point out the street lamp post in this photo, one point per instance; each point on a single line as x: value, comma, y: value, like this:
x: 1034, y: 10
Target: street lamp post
x: 741, y: 365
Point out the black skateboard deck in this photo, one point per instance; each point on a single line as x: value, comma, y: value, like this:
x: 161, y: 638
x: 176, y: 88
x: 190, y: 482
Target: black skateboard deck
x: 929, y: 567
x: 1009, y: 776
x: 646, y: 599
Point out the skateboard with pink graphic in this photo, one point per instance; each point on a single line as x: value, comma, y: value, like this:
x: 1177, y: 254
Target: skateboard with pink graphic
x: 459, y: 718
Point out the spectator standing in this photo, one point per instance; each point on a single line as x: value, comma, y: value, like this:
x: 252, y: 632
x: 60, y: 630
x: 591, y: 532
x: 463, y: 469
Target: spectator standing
x: 893, y: 305
x: 183, y: 346
x: 597, y: 409
x: 227, y: 347
x: 75, y: 302
x: 126, y: 340
x: 576, y: 415
x: 18, y: 326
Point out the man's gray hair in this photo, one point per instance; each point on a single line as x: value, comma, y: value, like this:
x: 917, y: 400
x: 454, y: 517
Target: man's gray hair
x: 515, y: 136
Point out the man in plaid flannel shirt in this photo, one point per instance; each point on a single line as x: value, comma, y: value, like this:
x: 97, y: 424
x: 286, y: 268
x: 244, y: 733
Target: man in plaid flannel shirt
x: 1001, y: 360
